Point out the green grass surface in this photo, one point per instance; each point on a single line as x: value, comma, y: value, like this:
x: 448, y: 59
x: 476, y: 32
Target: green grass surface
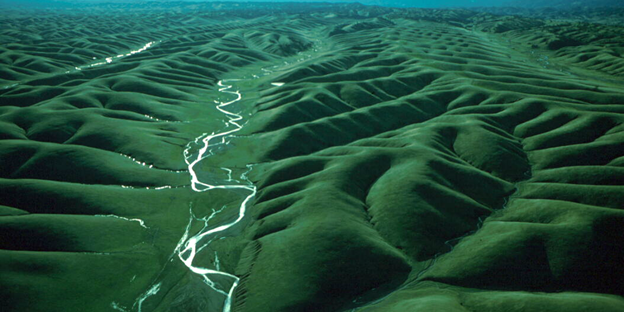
x: 413, y: 160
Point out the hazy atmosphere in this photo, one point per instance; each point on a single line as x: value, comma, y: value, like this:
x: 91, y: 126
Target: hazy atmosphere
x: 389, y: 3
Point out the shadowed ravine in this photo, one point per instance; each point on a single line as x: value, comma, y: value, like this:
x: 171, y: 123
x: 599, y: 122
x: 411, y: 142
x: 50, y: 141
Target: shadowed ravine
x: 262, y: 157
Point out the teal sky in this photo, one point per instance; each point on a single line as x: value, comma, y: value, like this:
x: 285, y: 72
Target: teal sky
x: 394, y: 3
x: 391, y: 3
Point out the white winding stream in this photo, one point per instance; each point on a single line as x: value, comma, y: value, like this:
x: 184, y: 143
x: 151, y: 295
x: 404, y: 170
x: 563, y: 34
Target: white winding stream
x: 190, y: 245
x: 96, y: 63
x: 222, y: 283
x: 110, y: 59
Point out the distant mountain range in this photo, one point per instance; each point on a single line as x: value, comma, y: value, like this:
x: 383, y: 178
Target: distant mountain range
x: 559, y: 4
x: 562, y: 4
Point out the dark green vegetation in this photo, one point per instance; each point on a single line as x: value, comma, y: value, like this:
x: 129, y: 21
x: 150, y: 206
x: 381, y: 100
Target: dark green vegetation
x: 589, y: 14
x: 413, y: 160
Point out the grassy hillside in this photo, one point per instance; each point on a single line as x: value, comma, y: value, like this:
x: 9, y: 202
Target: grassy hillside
x: 405, y: 159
